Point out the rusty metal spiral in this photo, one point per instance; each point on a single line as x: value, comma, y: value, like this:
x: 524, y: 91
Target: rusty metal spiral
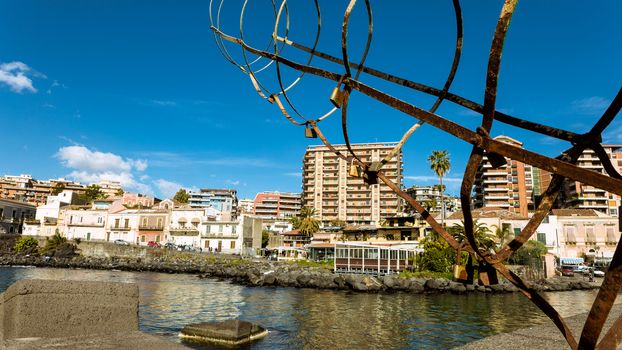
x: 563, y: 166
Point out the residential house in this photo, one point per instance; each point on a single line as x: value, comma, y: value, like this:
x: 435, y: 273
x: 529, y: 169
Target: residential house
x: 13, y: 214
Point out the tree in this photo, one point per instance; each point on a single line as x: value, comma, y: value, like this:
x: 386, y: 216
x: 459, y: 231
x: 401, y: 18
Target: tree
x: 529, y: 254
x: 265, y: 238
x: 502, y: 234
x: 483, y: 236
x: 94, y: 192
x: 306, y: 221
x: 119, y: 192
x: 181, y: 196
x: 430, y: 204
x: 437, y: 256
x: 439, y: 163
x: 58, y: 188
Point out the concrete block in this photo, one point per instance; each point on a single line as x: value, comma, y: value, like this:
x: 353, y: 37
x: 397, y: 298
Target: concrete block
x: 52, y: 309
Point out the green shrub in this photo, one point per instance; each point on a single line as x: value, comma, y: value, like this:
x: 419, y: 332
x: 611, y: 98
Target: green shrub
x: 52, y: 242
x: 26, y: 244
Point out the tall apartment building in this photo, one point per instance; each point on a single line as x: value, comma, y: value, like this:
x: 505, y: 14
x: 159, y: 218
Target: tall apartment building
x: 509, y: 187
x: 430, y: 198
x: 224, y: 200
x: 109, y: 188
x: 581, y: 196
x: 335, y: 195
x: 277, y: 205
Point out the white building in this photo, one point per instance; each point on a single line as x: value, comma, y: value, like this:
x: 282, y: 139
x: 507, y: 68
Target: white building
x: 232, y: 237
x: 577, y: 233
x: 84, y: 223
x: 184, y: 226
x: 138, y: 226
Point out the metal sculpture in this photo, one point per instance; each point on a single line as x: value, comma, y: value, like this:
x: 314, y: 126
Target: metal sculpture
x: 563, y: 166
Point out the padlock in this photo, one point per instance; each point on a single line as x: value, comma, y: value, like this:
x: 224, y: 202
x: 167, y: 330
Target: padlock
x: 310, y: 132
x: 336, y: 97
x: 354, y: 170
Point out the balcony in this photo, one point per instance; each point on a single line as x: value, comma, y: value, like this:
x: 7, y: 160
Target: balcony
x: 497, y: 181
x: 184, y: 231
x: 222, y: 235
x: 86, y: 224
x: 120, y: 228
x: 150, y: 228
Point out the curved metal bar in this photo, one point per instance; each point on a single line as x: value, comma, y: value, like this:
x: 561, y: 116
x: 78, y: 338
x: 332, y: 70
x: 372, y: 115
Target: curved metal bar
x: 453, y: 98
x: 348, y: 74
x: 448, y: 82
x: 260, y: 88
x: 490, y: 97
x: 605, y: 161
x: 278, y: 66
x: 546, y: 163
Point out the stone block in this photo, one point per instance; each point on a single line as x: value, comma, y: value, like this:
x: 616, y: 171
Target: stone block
x: 52, y: 309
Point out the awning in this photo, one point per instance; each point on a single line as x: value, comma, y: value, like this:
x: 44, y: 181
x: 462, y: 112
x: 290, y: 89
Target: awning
x: 182, y: 220
x: 571, y: 261
x: 195, y: 220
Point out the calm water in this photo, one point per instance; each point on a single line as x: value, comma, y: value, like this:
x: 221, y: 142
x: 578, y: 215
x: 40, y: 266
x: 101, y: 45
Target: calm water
x: 314, y: 319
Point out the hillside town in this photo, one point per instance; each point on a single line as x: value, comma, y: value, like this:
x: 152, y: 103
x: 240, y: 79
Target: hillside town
x: 347, y: 213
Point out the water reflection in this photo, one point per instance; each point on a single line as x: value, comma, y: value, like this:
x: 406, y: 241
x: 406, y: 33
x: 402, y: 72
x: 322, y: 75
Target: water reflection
x: 316, y: 319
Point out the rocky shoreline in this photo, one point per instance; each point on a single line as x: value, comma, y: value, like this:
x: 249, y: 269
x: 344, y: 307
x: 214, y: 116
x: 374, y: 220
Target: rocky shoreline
x: 265, y: 273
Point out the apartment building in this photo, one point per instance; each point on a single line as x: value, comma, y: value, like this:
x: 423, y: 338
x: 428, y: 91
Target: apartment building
x: 109, y: 188
x: 335, y: 195
x: 223, y: 200
x: 139, y: 226
x: 13, y: 214
x: 508, y: 187
x: 26, y: 189
x: 577, y: 195
x: 430, y: 198
x: 277, y: 205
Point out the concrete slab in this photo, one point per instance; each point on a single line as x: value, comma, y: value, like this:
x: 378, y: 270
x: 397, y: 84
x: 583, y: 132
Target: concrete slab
x: 123, y: 341
x: 543, y: 336
x: 52, y: 309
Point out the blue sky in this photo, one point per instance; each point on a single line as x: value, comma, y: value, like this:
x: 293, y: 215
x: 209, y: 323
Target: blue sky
x: 136, y: 91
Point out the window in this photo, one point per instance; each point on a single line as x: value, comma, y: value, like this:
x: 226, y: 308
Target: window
x: 232, y: 244
x: 144, y: 222
x: 160, y: 222
x: 116, y: 223
x: 542, y: 237
x: 208, y: 228
x: 142, y: 238
x: 220, y: 228
x: 233, y: 229
x: 127, y: 223
x: 516, y: 232
x: 100, y: 220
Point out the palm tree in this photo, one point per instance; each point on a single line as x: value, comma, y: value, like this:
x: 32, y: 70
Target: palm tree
x: 439, y: 163
x: 502, y: 234
x: 484, y: 238
x: 306, y: 221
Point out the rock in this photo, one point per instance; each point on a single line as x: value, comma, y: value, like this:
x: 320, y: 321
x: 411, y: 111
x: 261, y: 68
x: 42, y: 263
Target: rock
x: 436, y: 284
x: 456, y: 287
x: 390, y: 282
x: 497, y: 288
x: 510, y: 288
x: 231, y: 332
x: 416, y: 285
x: 269, y: 279
x: 470, y: 287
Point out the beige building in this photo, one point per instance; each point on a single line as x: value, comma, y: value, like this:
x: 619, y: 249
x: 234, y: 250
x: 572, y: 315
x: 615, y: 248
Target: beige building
x: 335, y: 195
x: 508, y: 187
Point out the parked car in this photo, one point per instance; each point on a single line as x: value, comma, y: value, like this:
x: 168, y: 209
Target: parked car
x: 153, y: 244
x: 170, y: 245
x: 566, y: 270
x: 188, y: 248
x: 599, y: 273
x: 121, y: 242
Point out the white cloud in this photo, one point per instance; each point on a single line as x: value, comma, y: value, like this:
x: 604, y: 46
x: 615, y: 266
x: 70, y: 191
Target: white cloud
x: 167, y: 188
x: 298, y: 174
x: 14, y: 74
x: 164, y: 103
x: 93, y: 166
x: 232, y: 182
x: 594, y: 105
x: 82, y: 158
